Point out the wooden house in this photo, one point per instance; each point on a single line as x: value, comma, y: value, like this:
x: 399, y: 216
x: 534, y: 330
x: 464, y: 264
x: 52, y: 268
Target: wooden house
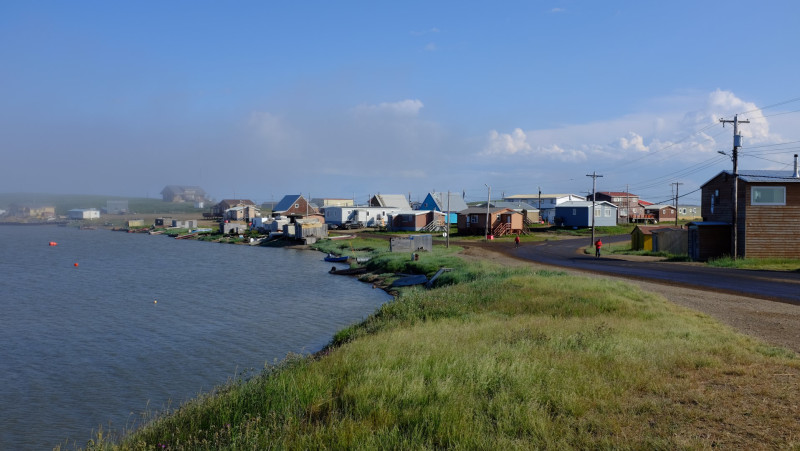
x: 661, y: 213
x: 390, y: 201
x: 627, y: 204
x: 226, y: 204
x: 502, y: 221
x: 417, y: 220
x: 579, y: 214
x: 545, y: 203
x: 32, y: 211
x: 768, y: 211
x: 441, y: 202
x: 293, y: 205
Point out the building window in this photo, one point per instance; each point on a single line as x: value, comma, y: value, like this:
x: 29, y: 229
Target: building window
x: 574, y: 212
x: 608, y: 212
x: 296, y: 205
x: 768, y: 195
x: 597, y: 212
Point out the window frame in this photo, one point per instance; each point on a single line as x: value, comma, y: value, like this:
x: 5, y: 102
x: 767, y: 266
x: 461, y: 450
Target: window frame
x: 753, y: 190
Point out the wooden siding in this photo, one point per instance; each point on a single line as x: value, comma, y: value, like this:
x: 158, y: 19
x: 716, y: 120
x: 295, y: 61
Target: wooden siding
x: 769, y: 230
x: 722, y: 211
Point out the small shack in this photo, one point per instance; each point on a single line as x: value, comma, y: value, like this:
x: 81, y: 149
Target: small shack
x: 672, y: 240
x: 708, y: 239
x: 642, y: 238
x: 411, y: 243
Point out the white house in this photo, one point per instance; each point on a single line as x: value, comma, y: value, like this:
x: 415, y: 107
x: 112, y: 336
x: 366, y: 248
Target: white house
x: 546, y: 203
x: 83, y: 213
x: 367, y: 216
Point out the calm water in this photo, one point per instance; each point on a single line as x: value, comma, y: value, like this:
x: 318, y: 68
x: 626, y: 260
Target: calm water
x: 86, y: 346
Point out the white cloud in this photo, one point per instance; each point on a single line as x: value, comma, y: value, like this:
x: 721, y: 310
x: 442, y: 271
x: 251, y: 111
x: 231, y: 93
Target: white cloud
x: 406, y: 107
x: 634, y: 142
x: 431, y: 47
x: 557, y: 10
x: 507, y: 143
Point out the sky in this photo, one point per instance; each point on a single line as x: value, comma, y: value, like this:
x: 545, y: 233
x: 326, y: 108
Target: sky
x: 254, y: 99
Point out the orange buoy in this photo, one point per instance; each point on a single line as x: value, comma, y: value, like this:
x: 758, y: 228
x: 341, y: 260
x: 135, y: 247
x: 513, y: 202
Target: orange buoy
x: 75, y: 265
x: 53, y: 243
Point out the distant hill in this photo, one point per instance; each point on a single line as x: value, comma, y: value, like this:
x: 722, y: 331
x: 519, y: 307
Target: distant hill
x: 66, y: 202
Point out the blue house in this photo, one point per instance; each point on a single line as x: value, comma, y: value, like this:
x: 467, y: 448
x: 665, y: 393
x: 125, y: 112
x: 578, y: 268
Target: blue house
x: 579, y: 214
x: 439, y: 202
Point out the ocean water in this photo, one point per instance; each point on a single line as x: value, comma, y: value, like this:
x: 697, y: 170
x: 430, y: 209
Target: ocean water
x: 107, y: 325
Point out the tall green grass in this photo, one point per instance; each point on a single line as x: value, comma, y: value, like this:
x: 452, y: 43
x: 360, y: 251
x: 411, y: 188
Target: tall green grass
x: 507, y: 358
x: 773, y: 264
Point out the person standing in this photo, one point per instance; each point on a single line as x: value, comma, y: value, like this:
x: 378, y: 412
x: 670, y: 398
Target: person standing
x: 516, y: 241
x: 597, y: 245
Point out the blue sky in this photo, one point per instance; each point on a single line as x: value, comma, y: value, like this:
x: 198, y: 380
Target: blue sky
x: 348, y: 99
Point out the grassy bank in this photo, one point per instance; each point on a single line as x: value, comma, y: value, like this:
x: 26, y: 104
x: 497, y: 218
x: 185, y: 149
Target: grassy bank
x: 506, y: 358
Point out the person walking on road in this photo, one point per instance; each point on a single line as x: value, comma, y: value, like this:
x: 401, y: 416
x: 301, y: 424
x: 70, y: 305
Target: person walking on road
x: 516, y: 241
x: 597, y: 245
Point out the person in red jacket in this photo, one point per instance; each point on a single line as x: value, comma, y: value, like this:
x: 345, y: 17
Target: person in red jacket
x: 597, y: 245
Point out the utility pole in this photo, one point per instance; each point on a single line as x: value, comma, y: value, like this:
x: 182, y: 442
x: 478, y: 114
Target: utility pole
x: 447, y: 222
x: 677, y: 185
x: 488, y: 201
x: 627, y: 204
x: 540, y: 202
x: 594, y: 176
x: 737, y: 142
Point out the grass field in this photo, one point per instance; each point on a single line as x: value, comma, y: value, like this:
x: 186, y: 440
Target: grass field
x: 504, y: 358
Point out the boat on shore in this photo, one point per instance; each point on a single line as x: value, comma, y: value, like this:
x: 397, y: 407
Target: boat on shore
x: 336, y: 258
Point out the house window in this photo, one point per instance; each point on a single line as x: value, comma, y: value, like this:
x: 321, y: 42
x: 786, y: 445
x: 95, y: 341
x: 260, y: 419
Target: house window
x: 296, y: 205
x: 597, y: 213
x: 768, y: 195
x: 608, y: 212
x: 574, y: 212
x: 473, y: 219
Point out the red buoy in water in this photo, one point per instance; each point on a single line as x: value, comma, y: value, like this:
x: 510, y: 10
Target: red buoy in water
x: 53, y: 243
x: 75, y: 265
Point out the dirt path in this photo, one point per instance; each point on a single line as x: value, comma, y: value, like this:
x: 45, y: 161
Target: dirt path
x: 774, y: 322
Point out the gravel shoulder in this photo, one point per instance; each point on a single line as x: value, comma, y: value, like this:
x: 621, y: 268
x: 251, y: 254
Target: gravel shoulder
x: 774, y: 322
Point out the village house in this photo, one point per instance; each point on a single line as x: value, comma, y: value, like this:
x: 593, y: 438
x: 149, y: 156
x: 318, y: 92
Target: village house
x: 767, y: 215
x: 530, y: 214
x: 362, y: 216
x: 180, y: 193
x: 689, y: 212
x: 661, y: 213
x: 294, y: 205
x: 627, y: 204
x: 444, y: 203
x: 579, y: 214
x: 418, y: 220
x: 546, y: 203
x: 116, y: 207
x: 32, y: 211
x: 332, y: 202
x: 502, y: 221
x: 390, y: 200
x: 224, y: 205
x: 83, y: 213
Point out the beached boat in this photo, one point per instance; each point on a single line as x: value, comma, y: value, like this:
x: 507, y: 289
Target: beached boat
x: 348, y: 271
x: 335, y: 258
